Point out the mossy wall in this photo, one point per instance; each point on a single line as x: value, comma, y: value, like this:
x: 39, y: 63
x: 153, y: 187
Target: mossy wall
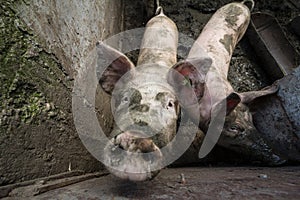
x: 43, y: 44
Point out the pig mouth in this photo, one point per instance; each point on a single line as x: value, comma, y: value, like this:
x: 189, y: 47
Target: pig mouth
x: 131, y: 156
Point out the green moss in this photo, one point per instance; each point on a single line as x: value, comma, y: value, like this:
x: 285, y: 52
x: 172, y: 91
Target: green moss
x: 33, y: 107
x: 28, y: 74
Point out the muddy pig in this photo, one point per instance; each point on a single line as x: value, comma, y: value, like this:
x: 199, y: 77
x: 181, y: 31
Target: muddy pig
x: 216, y: 101
x: 145, y: 106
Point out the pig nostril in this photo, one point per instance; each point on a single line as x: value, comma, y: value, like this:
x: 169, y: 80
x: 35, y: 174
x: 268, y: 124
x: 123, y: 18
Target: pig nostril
x: 141, y: 123
x: 144, y: 145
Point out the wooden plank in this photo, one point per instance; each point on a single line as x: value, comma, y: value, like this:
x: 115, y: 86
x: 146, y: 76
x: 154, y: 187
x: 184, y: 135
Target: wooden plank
x: 5, y: 190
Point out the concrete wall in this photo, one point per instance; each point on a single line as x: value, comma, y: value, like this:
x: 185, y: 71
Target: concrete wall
x: 44, y: 43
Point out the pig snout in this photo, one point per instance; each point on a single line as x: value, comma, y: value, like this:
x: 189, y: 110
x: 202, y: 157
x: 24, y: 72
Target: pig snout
x: 130, y: 156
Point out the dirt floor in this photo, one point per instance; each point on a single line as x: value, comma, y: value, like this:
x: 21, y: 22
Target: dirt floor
x: 198, y: 183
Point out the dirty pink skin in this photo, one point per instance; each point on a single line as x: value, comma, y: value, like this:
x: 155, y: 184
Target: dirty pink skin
x: 215, y: 46
x: 145, y: 106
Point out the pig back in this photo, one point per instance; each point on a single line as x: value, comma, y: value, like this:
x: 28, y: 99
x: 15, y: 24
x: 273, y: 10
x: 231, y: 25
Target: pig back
x: 220, y: 36
x: 218, y: 40
x: 160, y: 42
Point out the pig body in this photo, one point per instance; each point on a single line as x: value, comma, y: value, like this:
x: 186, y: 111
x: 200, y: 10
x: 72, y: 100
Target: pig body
x: 145, y: 107
x: 227, y: 27
x: 217, y: 42
x: 219, y: 38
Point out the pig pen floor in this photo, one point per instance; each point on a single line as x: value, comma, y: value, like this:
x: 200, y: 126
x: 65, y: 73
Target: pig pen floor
x: 200, y: 183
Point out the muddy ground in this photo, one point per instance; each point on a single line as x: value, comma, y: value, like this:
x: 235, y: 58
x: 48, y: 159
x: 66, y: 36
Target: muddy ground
x: 198, y: 183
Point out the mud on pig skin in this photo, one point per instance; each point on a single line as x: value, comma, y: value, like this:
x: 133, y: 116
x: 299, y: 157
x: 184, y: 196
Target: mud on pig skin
x: 215, y: 45
x: 145, y: 106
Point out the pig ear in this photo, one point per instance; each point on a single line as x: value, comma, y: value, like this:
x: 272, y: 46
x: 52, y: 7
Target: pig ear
x: 232, y: 101
x: 248, y: 97
x: 116, y: 63
x: 190, y: 73
x: 194, y: 68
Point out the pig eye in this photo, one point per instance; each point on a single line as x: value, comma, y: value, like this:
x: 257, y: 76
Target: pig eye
x: 125, y: 99
x: 236, y: 128
x: 170, y: 104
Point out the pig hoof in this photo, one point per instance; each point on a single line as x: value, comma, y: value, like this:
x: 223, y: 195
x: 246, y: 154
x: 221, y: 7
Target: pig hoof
x: 123, y: 161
